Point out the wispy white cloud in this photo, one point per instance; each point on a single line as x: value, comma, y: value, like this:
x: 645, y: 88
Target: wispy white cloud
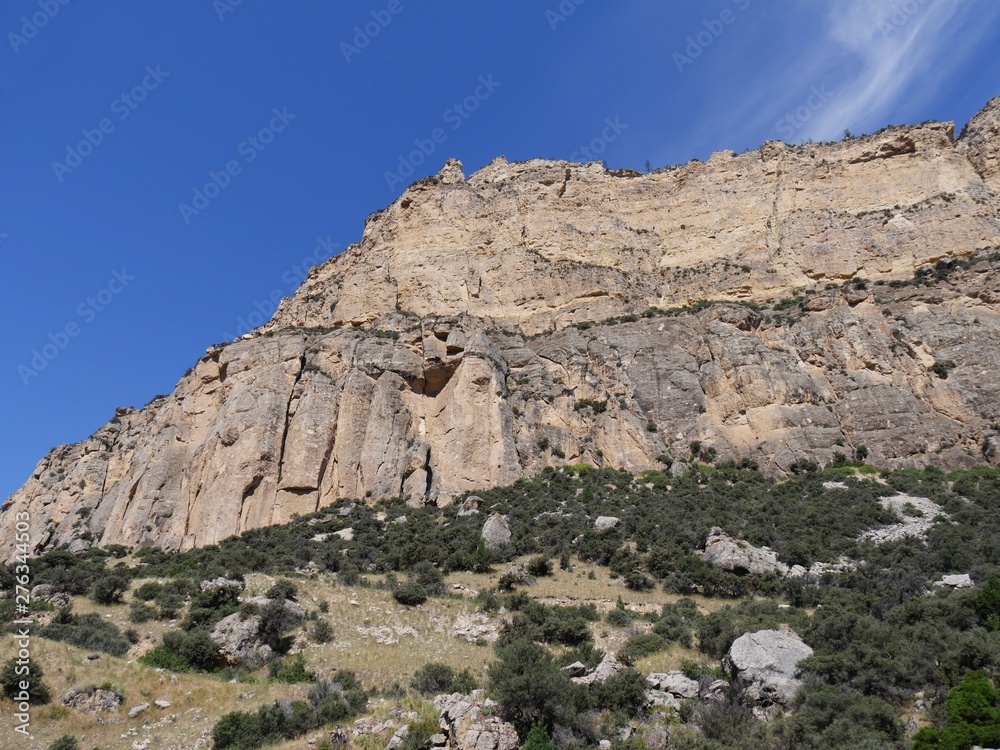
x: 892, y: 52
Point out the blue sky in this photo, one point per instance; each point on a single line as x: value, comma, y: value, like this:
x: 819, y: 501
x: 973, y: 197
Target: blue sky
x: 169, y: 167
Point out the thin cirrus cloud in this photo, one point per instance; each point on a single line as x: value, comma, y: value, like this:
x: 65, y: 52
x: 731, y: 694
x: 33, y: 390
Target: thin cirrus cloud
x: 890, y: 52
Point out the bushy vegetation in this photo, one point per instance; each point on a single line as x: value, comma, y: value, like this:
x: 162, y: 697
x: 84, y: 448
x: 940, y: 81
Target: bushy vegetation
x: 435, y: 678
x: 13, y: 674
x: 973, y: 717
x: 329, y: 701
x: 91, y: 632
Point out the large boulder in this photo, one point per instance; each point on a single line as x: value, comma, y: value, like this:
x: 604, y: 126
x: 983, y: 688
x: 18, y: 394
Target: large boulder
x: 767, y: 659
x: 239, y: 639
x: 471, y: 723
x: 605, y: 523
x: 740, y: 556
x: 496, y: 532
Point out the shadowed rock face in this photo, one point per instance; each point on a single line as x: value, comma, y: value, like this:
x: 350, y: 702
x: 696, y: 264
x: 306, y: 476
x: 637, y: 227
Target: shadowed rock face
x: 465, y: 341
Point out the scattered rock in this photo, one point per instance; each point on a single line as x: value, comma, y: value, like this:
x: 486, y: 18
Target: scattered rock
x: 346, y: 534
x: 606, y: 523
x: 496, y: 532
x: 739, y: 556
x: 161, y: 703
x: 767, y: 659
x: 400, y: 521
x: 576, y: 669
x: 471, y: 506
x: 136, y: 710
x: 476, y: 626
x: 309, y: 569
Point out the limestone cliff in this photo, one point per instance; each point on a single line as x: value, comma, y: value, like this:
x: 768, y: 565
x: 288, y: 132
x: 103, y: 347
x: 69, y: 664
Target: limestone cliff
x: 532, y: 314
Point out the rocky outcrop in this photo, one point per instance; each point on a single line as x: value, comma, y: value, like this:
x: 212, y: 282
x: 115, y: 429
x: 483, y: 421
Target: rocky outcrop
x: 957, y: 581
x: 917, y: 516
x: 471, y: 723
x: 609, y: 666
x: 675, y: 683
x: 980, y: 143
x: 767, y: 659
x: 92, y: 699
x: 533, y: 314
x: 739, y: 556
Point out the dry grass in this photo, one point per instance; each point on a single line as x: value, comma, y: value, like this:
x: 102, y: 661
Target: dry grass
x: 383, y: 642
x: 419, y: 634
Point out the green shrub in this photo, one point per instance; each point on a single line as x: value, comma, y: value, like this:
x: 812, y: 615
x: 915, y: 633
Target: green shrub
x: 538, y: 738
x: 988, y: 603
x: 624, y: 693
x: 210, y: 606
x: 193, y: 650
x: 292, y: 671
x: 14, y: 674
x: 531, y: 688
x: 973, y: 717
x: 322, y: 632
x: 434, y: 678
x: 162, y: 657
x: 424, y: 574
x: 410, y: 594
x: 91, y: 632
x: 138, y: 612
x: 148, y: 591
x: 110, y: 587
x: 539, y: 566
x: 828, y: 717
x: 275, y: 622
x: 65, y: 743
x: 618, y: 618
x: 642, y: 645
x: 283, y: 589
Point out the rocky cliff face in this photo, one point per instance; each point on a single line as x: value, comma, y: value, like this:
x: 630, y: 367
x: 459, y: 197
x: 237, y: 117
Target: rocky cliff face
x: 533, y: 314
